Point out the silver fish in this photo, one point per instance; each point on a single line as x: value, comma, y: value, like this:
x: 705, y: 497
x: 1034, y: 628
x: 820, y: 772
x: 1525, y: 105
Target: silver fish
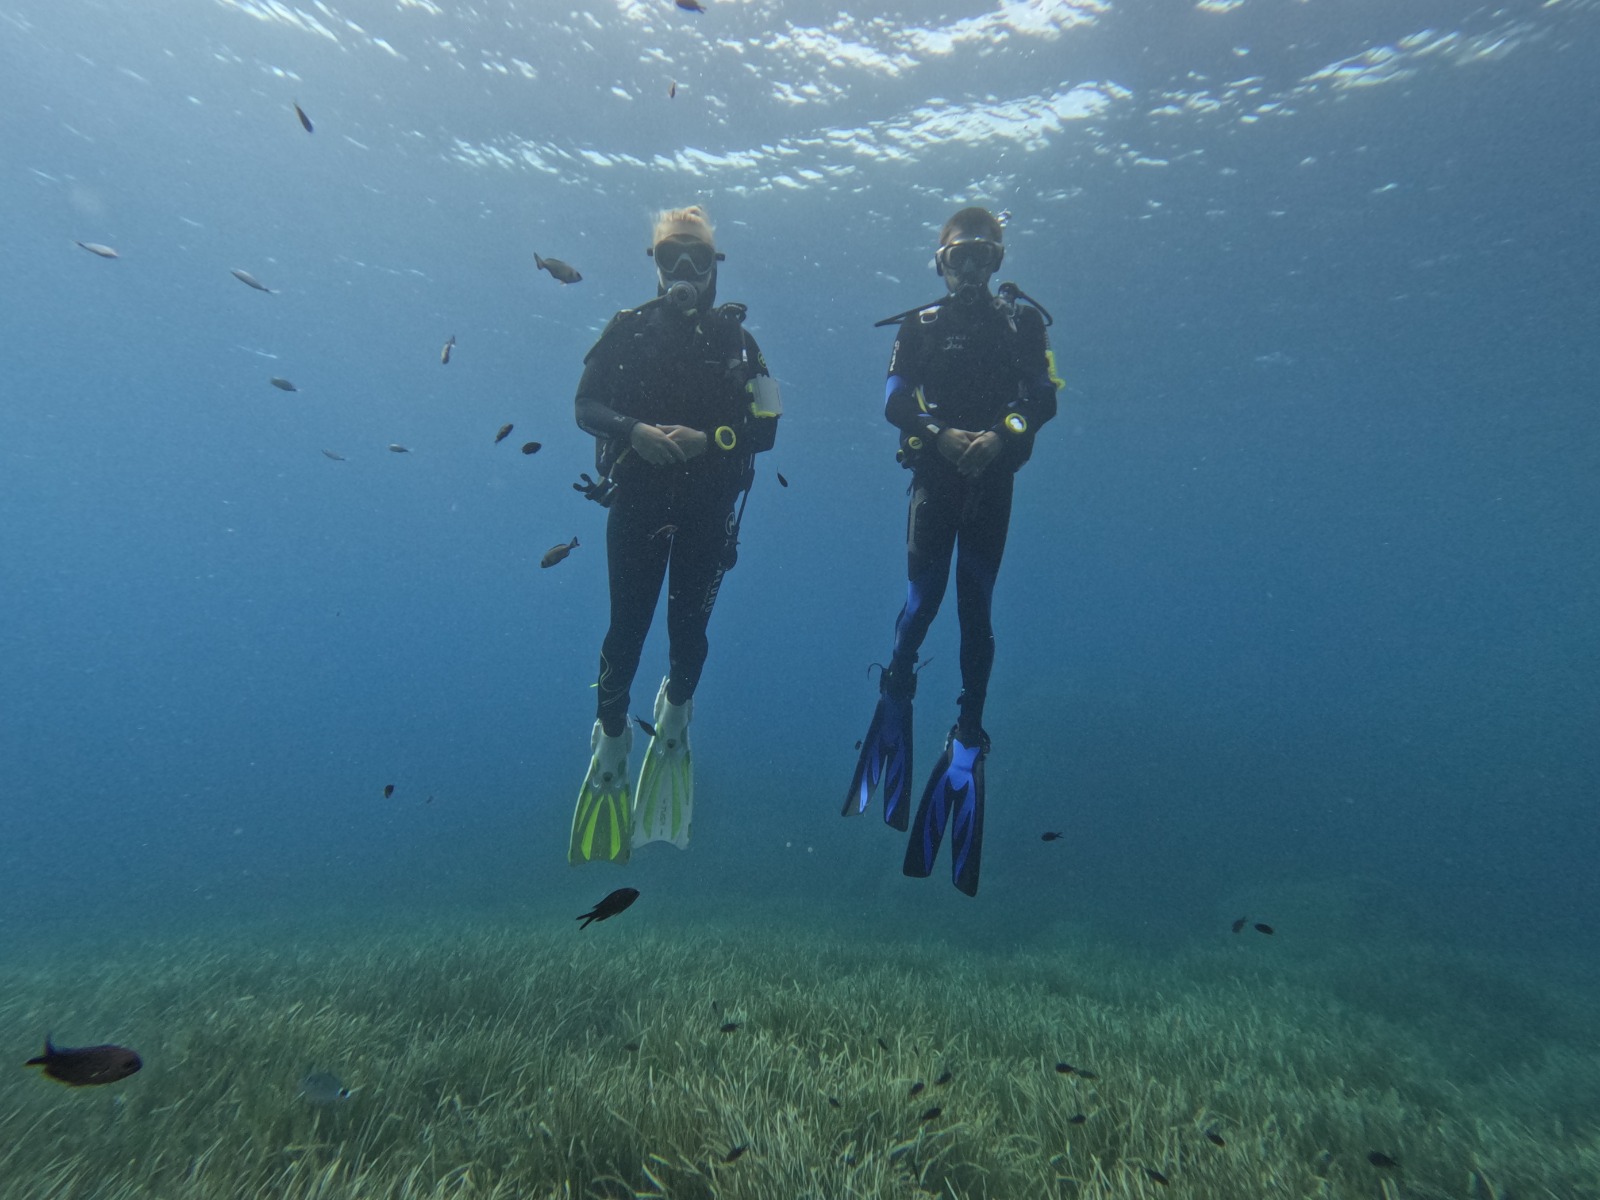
x: 444, y: 355
x: 246, y: 278
x: 397, y: 448
x: 97, y: 248
x: 324, y: 1089
x: 332, y: 455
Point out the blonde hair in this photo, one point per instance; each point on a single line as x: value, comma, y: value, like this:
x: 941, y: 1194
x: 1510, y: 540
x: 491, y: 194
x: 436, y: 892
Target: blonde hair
x: 683, y: 222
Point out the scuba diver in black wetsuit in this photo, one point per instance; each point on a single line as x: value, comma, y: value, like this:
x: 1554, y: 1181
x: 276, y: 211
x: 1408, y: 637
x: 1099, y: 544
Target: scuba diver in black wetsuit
x: 971, y: 380
x: 679, y: 398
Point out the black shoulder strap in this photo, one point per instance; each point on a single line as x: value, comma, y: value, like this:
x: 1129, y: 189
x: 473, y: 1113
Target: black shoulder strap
x: 899, y: 317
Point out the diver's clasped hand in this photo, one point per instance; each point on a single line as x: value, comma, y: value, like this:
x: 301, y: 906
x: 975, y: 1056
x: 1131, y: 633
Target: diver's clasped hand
x: 655, y: 445
x: 667, y: 445
x: 970, y: 452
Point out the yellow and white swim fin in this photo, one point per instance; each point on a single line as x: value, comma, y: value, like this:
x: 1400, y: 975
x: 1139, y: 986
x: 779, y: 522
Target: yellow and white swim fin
x: 664, y: 802
x: 602, y: 822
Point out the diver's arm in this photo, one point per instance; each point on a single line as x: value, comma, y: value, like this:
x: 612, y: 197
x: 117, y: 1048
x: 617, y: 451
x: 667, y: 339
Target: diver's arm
x: 1035, y: 404
x: 593, y: 404
x: 901, y: 406
x: 755, y: 430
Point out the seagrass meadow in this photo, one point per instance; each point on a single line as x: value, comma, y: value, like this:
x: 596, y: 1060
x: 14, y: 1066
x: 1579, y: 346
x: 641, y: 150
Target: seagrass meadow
x: 498, y: 1059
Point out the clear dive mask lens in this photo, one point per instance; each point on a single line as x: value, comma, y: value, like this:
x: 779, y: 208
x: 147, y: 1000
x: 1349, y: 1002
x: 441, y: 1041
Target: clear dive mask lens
x: 689, y: 260
x: 978, y: 256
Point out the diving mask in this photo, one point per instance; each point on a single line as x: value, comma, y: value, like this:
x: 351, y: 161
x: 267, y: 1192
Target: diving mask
x: 685, y: 259
x: 971, y: 260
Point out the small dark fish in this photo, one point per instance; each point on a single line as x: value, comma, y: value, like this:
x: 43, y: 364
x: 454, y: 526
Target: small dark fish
x: 931, y: 1114
x: 733, y: 1155
x: 557, y: 268
x: 631, y: 1046
x: 943, y: 1079
x: 505, y: 432
x: 1064, y: 1068
x: 782, y: 482
x: 1076, y: 1119
x: 1215, y: 1138
x: 610, y: 906
x: 556, y: 553
x: 1266, y: 929
x: 305, y: 121
x: 1376, y: 1157
x: 650, y: 731
x: 883, y: 1044
x: 716, y: 1005
x: 335, y: 457
x: 916, y: 1088
x: 429, y: 800
x: 664, y: 531
x: 690, y: 5
x: 246, y: 278
x: 858, y: 743
x: 833, y: 1102
x: 283, y: 385
x: 324, y: 1089
x: 1157, y: 1177
x: 444, y: 354
x: 1239, y: 924
x: 728, y: 1027
x: 388, y: 790
x: 1082, y: 1074
x: 672, y: 89
x: 397, y: 448
x: 532, y: 447
x: 97, y: 248
x: 1051, y: 836
x: 86, y: 1065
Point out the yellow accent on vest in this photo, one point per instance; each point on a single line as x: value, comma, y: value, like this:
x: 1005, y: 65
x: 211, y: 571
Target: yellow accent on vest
x: 726, y: 438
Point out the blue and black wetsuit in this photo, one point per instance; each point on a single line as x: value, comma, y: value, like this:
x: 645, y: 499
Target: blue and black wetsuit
x: 980, y: 365
x: 666, y: 367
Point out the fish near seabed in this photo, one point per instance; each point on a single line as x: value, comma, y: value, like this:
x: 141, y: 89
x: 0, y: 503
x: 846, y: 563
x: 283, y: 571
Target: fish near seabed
x: 610, y: 906
x: 250, y: 280
x: 97, y: 248
x: 556, y: 553
x: 558, y: 269
x: 324, y: 1089
x: 86, y: 1066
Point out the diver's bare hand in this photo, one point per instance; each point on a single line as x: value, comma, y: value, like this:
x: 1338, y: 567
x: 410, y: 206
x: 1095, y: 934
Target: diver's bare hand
x: 980, y: 452
x: 655, y: 445
x: 692, y: 442
x: 953, y: 443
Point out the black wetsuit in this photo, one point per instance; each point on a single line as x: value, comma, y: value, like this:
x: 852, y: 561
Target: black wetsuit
x: 660, y: 365
x: 977, y: 366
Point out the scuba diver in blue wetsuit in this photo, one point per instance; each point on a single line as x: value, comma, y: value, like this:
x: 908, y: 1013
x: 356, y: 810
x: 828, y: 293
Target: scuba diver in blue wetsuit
x: 971, y: 380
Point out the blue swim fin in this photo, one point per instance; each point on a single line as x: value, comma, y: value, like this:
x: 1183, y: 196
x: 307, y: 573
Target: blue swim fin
x: 885, y: 758
x: 954, y: 789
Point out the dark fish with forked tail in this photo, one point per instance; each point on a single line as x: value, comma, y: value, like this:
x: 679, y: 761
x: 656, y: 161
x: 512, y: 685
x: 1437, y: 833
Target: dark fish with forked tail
x: 1262, y: 928
x: 532, y: 447
x: 610, y: 906
x: 86, y: 1065
x: 1051, y: 836
x: 558, y: 269
x: 1381, y: 1160
x: 556, y: 553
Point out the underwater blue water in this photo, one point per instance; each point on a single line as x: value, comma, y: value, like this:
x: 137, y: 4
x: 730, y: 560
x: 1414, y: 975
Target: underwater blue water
x: 1300, y: 596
